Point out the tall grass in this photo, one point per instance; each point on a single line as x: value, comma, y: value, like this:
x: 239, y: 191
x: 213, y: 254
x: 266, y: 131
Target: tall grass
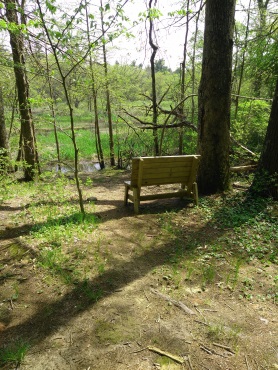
x: 127, y: 144
x: 128, y: 141
x: 85, y: 142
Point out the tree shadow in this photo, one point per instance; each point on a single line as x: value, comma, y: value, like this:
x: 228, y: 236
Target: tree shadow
x: 85, y: 293
x: 238, y: 210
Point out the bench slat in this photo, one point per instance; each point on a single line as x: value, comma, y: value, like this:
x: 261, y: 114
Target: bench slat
x: 147, y: 171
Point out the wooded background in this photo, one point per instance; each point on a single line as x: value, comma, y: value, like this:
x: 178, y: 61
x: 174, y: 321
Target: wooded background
x: 60, y: 83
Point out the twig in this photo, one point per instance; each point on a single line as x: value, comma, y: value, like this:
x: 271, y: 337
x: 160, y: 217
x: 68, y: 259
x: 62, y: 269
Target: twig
x: 175, y: 358
x: 201, y: 322
x: 189, y: 362
x: 140, y: 350
x: 11, y: 303
x: 147, y: 298
x: 229, y: 306
x: 196, y: 308
x: 224, y: 347
x: 206, y: 350
x: 174, y: 302
x: 247, y: 364
x: 211, y: 351
x: 71, y: 342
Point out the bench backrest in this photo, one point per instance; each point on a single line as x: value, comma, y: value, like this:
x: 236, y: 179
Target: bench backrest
x: 164, y: 170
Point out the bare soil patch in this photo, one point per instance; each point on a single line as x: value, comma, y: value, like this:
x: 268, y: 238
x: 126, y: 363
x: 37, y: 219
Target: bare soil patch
x: 108, y: 315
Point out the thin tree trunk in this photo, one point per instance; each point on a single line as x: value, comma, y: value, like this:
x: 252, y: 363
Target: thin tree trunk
x: 242, y: 65
x: 4, y: 143
x: 182, y: 94
x: 97, y: 131
x: 53, y: 113
x: 13, y: 108
x: 108, y: 102
x: 27, y: 128
x: 72, y: 127
x: 193, y: 63
x: 154, y: 98
x: 262, y: 6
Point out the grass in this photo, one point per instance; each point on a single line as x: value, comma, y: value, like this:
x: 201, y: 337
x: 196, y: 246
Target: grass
x: 14, y: 353
x: 223, y: 333
x: 205, y: 253
x: 128, y: 141
x: 246, y: 230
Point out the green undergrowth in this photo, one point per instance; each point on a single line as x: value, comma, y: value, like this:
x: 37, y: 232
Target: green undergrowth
x: 13, y: 354
x: 206, y: 245
x: 229, y: 233
x: 54, y: 226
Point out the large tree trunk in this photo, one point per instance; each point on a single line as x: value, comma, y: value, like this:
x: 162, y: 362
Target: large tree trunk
x: 27, y: 130
x: 215, y: 97
x: 266, y: 177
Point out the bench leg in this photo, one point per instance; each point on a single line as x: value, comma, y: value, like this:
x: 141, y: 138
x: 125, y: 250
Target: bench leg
x: 126, y: 194
x: 136, y: 200
x: 182, y: 193
x: 195, y: 193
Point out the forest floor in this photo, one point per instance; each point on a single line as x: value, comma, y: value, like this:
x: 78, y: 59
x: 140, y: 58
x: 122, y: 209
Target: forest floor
x: 198, y: 284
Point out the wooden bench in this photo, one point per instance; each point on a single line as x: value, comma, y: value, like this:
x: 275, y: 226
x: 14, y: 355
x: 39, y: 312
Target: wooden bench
x: 147, y: 171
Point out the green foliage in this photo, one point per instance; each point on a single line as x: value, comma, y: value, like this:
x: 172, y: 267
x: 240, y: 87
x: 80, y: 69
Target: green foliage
x: 13, y: 354
x: 254, y: 226
x: 56, y: 262
x: 90, y: 292
x: 263, y: 61
x: 265, y: 184
x: 251, y: 124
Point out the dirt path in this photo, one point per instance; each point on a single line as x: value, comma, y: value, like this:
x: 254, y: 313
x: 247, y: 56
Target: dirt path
x: 109, y: 319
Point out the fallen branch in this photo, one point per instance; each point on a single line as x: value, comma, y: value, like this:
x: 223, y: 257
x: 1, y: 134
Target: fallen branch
x: 206, y: 350
x: 172, y: 125
x: 243, y: 147
x: 189, y: 363
x: 201, y: 322
x: 178, y: 304
x: 175, y: 358
x: 224, y: 347
x: 251, y: 97
x: 211, y: 351
x: 249, y: 167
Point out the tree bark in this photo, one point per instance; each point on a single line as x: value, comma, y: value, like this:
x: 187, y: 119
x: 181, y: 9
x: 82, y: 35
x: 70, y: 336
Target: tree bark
x: 154, y: 97
x: 266, y: 178
x: 183, y: 64
x: 257, y: 75
x: 242, y: 65
x: 193, y: 79
x: 30, y: 154
x: 69, y: 104
x: 4, y: 143
x: 108, y: 102
x: 215, y: 97
x: 95, y: 101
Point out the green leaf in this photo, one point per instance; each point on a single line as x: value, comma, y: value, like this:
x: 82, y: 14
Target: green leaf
x: 3, y: 24
x: 50, y: 6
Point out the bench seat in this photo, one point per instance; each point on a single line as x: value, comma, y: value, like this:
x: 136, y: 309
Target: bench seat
x: 164, y: 170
